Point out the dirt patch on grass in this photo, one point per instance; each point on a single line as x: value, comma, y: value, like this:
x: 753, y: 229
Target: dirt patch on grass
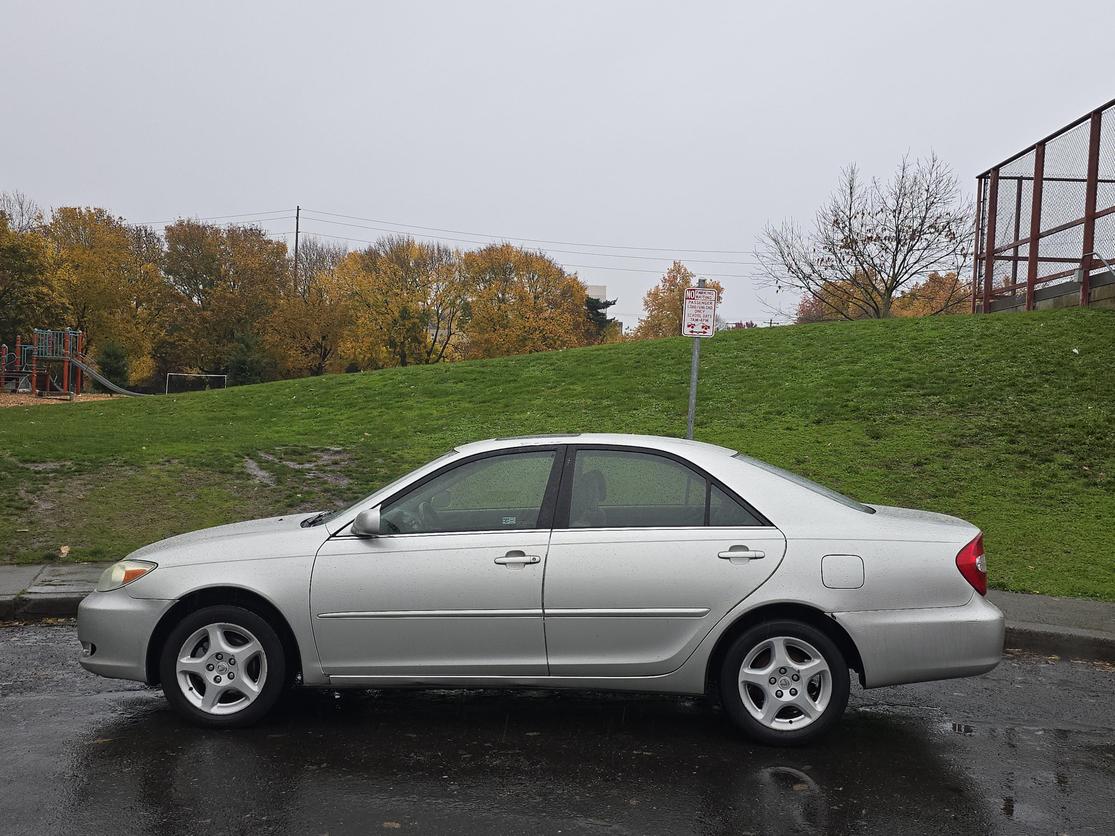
x: 324, y: 465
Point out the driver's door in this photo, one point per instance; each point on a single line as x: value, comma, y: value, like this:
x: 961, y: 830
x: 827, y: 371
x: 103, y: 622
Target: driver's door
x: 453, y: 585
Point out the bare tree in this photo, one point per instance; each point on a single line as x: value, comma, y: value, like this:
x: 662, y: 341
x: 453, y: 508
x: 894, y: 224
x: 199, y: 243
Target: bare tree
x: 314, y: 258
x: 872, y: 239
x: 22, y: 212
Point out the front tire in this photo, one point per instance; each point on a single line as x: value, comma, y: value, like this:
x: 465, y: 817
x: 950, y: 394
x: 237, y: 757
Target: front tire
x: 223, y: 667
x: 784, y: 683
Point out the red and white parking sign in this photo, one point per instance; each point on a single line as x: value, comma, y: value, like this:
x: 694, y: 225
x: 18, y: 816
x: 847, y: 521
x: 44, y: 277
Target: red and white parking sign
x: 698, y: 317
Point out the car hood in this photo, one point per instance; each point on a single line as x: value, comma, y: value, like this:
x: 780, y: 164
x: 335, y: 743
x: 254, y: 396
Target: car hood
x: 271, y: 537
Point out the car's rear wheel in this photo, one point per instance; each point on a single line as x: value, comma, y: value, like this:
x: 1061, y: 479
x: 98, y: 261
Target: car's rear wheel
x: 223, y: 666
x: 784, y: 682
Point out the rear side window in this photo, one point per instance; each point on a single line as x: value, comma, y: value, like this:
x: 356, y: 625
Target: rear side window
x: 632, y: 489
x: 723, y: 510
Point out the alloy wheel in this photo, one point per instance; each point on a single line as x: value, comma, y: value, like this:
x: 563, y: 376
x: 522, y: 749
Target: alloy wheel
x: 221, y: 668
x: 785, y: 683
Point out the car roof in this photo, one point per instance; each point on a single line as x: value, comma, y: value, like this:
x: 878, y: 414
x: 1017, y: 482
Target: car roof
x: 680, y: 446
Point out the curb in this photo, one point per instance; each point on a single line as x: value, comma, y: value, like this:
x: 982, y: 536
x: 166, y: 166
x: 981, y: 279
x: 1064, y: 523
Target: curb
x: 1050, y: 640
x: 1044, y: 639
x: 39, y: 605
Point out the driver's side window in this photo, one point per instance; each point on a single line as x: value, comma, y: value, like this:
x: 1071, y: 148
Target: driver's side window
x: 495, y: 493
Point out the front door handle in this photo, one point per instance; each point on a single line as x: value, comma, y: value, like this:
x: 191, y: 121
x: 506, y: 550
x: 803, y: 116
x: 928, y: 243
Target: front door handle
x: 742, y: 553
x: 518, y: 559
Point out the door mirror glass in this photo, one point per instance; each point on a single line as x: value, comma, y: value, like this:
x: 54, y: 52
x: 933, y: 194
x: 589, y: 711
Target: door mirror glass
x: 366, y: 523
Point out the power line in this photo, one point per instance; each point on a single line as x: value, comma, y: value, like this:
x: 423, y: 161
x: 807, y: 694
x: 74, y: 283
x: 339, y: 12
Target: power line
x: 644, y: 270
x: 548, y: 249
x: 533, y: 240
x: 217, y: 217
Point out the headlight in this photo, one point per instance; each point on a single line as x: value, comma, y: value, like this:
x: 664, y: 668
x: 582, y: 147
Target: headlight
x: 123, y: 572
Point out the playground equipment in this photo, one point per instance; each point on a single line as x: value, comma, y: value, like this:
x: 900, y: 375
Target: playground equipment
x: 54, y: 362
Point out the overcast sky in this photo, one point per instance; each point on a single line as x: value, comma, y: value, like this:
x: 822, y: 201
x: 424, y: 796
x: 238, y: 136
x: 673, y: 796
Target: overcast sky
x: 683, y: 125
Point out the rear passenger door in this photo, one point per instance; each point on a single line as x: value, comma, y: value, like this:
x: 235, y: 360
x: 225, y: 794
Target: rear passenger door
x: 634, y: 574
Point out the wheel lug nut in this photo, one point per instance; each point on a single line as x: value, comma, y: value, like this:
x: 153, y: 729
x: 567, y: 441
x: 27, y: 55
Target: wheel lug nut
x: 216, y: 679
x: 209, y: 667
x: 231, y: 675
x: 773, y: 679
x: 776, y: 693
x: 780, y: 670
x: 221, y: 656
x: 231, y: 660
x: 793, y: 692
x: 795, y: 677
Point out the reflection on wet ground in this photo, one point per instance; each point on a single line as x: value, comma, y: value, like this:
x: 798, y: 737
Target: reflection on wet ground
x: 1007, y: 752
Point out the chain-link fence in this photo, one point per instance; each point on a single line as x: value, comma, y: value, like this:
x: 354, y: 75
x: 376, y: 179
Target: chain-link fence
x: 1045, y: 220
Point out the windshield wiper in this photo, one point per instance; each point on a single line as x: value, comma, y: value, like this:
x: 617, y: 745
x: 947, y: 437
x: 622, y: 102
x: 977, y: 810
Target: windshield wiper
x: 309, y: 522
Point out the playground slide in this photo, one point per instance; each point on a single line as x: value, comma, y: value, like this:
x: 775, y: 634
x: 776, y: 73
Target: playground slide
x: 104, y: 381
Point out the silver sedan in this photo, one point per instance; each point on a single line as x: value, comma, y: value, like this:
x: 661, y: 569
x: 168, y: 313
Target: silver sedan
x: 595, y: 561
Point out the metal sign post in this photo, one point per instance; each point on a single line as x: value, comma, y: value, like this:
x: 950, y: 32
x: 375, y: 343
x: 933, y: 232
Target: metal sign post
x: 698, y: 320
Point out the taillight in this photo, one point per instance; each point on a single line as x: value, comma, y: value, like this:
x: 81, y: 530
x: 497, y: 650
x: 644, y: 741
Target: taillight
x: 973, y: 565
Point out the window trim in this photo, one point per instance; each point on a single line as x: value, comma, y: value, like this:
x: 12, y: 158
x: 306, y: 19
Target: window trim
x: 565, y: 492
x: 545, y: 514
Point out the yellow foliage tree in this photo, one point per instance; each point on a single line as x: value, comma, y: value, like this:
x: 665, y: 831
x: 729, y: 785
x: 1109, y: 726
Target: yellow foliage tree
x: 521, y: 302
x: 940, y: 293
x: 664, y: 302
x: 108, y: 275
x: 410, y: 299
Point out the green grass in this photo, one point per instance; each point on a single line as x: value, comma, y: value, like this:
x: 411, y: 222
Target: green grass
x: 993, y: 418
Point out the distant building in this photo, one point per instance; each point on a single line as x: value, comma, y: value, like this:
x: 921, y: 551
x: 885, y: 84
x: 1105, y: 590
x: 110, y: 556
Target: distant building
x: 597, y: 291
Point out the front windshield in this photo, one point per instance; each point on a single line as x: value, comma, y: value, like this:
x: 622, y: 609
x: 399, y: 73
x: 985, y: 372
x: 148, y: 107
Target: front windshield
x: 806, y: 483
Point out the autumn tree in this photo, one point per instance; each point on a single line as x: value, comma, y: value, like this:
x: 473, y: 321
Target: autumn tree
x: 28, y: 298
x: 872, y: 240
x: 410, y: 299
x: 313, y: 316
x: 940, y: 293
x: 664, y: 303
x: 228, y: 282
x: 107, y: 274
x: 521, y: 301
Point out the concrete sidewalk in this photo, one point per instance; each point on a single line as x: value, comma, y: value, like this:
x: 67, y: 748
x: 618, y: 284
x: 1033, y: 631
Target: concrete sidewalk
x: 1069, y: 627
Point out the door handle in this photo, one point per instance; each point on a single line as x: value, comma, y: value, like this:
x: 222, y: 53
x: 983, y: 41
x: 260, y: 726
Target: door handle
x: 741, y: 552
x: 518, y: 558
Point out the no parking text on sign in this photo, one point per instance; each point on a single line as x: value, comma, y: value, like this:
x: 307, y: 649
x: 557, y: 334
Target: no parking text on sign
x: 698, y: 318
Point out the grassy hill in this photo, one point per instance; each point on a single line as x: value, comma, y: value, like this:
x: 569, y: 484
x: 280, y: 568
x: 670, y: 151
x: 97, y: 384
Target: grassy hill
x: 1006, y: 420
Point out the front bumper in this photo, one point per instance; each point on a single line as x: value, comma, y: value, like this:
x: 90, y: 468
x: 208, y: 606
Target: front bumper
x: 114, y: 629
x: 918, y: 645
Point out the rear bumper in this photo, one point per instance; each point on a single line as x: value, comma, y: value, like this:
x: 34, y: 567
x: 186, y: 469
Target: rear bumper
x: 114, y: 629
x: 917, y: 645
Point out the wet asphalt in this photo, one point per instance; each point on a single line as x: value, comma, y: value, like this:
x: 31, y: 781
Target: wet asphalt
x: 1029, y: 748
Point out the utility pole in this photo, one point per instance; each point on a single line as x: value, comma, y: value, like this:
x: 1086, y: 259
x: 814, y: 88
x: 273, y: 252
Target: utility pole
x: 297, y: 218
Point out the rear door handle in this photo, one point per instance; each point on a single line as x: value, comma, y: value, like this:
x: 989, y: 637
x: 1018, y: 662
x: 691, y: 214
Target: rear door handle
x: 518, y: 559
x: 741, y: 552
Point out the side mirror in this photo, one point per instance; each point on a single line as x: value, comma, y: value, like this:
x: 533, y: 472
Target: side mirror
x: 366, y: 523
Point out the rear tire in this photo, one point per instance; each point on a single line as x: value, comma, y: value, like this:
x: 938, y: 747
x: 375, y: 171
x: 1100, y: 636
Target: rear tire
x: 223, y: 667
x: 787, y: 711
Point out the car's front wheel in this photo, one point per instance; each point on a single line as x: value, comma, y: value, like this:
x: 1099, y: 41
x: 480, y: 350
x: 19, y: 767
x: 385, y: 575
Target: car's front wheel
x: 784, y: 682
x: 223, y: 666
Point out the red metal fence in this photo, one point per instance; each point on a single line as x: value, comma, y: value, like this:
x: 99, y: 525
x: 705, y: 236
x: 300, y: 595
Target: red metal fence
x: 1045, y: 218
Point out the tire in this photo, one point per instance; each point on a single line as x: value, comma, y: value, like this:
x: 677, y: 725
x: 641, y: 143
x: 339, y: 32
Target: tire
x: 223, y: 667
x: 768, y: 712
